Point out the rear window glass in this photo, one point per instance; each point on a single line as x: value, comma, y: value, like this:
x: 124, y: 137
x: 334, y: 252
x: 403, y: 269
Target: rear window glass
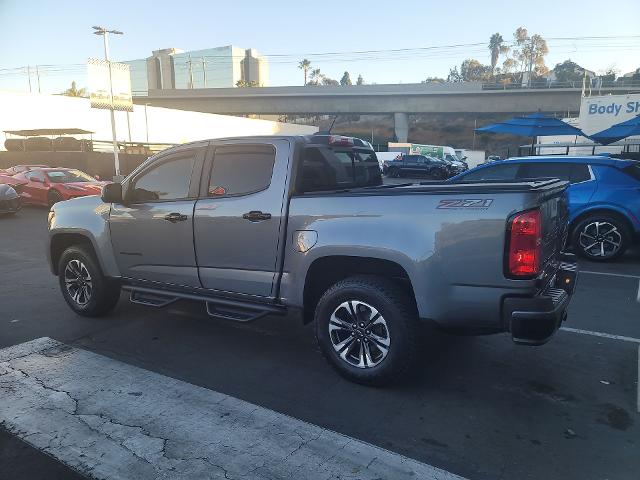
x: 632, y: 170
x: 327, y: 169
x: 580, y: 173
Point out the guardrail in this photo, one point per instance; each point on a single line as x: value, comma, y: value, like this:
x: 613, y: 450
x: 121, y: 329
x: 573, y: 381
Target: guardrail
x: 542, y: 85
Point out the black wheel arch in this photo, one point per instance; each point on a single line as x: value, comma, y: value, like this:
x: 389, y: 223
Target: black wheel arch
x: 61, y: 241
x: 602, y: 212
x: 326, y: 271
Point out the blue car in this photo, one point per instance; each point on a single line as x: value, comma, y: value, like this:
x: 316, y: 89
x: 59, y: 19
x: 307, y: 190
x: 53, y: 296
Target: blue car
x: 604, y: 197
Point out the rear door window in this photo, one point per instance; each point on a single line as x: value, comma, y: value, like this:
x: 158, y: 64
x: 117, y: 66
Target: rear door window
x: 503, y: 172
x: 545, y: 170
x: 241, y: 170
x: 327, y: 169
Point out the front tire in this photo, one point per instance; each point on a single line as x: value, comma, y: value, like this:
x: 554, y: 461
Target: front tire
x: 601, y: 238
x: 84, y: 287
x: 367, y: 330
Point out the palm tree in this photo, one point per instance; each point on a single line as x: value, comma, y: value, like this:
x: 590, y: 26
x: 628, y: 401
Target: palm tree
x: 74, y: 91
x: 316, y: 77
x: 305, y: 65
x: 496, y: 47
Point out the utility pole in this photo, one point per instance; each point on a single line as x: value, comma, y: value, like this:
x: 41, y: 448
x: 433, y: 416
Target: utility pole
x: 204, y: 71
x: 29, y: 77
x: 38, y: 77
x: 190, y: 63
x: 105, y: 36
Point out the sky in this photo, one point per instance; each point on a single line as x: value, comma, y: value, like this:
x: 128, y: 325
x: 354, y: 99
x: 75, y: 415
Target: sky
x: 36, y: 32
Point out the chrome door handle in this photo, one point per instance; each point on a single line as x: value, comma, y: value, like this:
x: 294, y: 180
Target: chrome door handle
x: 175, y: 217
x: 256, y: 216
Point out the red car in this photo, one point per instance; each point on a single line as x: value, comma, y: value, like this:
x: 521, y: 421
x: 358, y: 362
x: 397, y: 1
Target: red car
x: 46, y: 186
x: 20, y: 169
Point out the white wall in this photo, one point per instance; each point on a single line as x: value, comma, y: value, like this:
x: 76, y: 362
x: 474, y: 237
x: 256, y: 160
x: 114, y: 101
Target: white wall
x: 597, y: 113
x: 20, y: 111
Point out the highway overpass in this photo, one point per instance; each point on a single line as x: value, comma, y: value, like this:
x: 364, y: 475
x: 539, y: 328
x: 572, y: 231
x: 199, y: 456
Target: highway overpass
x: 401, y: 100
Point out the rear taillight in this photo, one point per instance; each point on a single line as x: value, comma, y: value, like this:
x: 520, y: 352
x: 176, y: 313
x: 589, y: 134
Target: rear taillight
x: 525, y: 244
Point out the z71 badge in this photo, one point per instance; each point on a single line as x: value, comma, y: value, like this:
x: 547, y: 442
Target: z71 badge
x: 466, y: 203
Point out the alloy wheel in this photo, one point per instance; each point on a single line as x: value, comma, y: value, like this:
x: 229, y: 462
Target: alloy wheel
x: 359, y: 334
x: 600, y: 239
x: 78, y: 282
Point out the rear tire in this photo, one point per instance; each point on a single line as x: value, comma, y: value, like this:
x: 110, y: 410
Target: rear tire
x: 367, y: 330
x: 439, y: 175
x: 601, y: 237
x: 53, y: 197
x: 394, y: 172
x: 84, y: 287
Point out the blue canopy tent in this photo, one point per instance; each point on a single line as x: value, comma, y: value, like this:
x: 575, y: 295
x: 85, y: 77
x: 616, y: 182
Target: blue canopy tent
x: 618, y: 131
x: 534, y: 125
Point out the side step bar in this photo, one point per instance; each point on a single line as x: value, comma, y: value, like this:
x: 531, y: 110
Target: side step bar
x: 225, y: 308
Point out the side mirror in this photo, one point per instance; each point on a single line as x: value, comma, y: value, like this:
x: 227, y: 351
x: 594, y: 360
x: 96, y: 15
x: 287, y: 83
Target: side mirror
x: 112, y: 193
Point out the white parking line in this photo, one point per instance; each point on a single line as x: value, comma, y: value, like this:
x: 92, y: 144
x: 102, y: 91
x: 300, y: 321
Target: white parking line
x: 638, y: 296
x: 111, y: 420
x: 622, y: 275
x: 601, y: 334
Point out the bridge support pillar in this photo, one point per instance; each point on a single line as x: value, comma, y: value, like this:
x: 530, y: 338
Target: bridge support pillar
x: 401, y: 126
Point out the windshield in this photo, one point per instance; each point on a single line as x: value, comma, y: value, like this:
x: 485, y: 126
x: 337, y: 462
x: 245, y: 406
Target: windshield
x: 69, y: 176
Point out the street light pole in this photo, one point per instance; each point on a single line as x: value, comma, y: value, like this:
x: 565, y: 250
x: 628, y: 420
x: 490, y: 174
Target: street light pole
x: 105, y: 36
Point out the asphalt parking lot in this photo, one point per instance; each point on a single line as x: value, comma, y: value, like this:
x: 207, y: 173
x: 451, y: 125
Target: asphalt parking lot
x: 479, y: 407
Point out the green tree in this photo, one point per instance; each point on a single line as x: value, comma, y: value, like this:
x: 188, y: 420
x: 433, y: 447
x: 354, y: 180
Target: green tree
x: 433, y: 80
x: 315, y: 78
x: 74, y: 91
x: 472, y: 70
x: 497, y: 48
x: 360, y: 80
x: 346, y: 79
x: 609, y: 75
x: 305, y: 66
x: 329, y: 81
x: 454, y: 76
x: 529, y: 52
x: 245, y: 84
x: 568, y: 71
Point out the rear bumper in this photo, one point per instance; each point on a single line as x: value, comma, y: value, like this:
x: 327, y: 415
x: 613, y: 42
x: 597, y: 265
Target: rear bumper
x: 533, y: 321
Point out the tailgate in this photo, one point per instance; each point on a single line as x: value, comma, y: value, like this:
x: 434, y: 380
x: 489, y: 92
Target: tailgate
x: 554, y: 209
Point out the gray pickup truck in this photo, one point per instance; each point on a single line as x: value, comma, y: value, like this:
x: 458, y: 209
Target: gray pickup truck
x: 303, y: 225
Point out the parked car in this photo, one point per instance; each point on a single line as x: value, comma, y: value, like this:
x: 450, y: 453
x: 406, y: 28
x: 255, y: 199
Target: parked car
x: 419, y: 165
x: 9, y: 199
x: 47, y: 186
x: 604, y: 197
x: 20, y: 169
x: 303, y: 225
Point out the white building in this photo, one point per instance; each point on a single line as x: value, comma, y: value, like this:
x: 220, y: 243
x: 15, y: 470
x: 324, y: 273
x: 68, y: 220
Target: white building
x: 220, y: 67
x: 21, y: 111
